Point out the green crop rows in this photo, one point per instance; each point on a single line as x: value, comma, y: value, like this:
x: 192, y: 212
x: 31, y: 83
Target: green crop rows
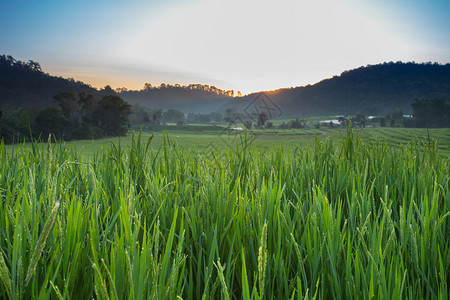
x: 345, y: 219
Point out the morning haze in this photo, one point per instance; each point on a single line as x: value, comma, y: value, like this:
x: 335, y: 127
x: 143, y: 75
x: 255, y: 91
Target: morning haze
x: 211, y: 149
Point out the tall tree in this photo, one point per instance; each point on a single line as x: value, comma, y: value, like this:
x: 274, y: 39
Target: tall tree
x: 68, y: 103
x: 87, y: 104
x: 111, y: 115
x: 262, y: 118
x: 51, y: 121
x: 156, y: 116
x: 431, y: 113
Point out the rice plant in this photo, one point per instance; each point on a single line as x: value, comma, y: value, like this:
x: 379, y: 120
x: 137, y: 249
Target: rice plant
x: 346, y: 220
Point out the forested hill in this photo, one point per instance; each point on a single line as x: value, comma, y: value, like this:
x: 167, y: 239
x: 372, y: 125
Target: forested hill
x: 24, y: 84
x: 196, y: 98
x: 372, y: 90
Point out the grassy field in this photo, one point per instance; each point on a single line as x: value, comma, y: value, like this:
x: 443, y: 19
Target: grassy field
x: 202, y: 138
x: 350, y: 217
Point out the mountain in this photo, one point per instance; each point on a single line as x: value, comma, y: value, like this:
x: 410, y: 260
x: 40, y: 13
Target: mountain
x: 193, y: 98
x: 371, y: 90
x: 24, y: 84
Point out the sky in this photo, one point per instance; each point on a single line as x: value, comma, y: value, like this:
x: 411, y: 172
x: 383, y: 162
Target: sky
x: 245, y: 45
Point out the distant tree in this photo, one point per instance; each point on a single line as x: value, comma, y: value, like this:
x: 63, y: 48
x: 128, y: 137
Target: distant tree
x: 147, y: 86
x: 397, y: 114
x: 173, y: 116
x: 87, y: 104
x: 23, y: 120
x: 34, y: 66
x: 359, y: 120
x: 50, y: 121
x: 395, y: 118
x: 11, y: 60
x: 68, y: 103
x: 139, y: 115
x: 14, y: 126
x: 431, y: 113
x: 284, y: 125
x: 108, y: 90
x: 200, y: 118
x: 156, y: 117
x: 343, y: 121
x: 297, y: 123
x: 262, y: 118
x: 111, y: 115
x: 121, y: 90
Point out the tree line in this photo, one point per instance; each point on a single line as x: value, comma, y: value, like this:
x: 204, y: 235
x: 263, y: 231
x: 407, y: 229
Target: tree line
x: 372, y: 90
x: 426, y: 113
x: 81, y: 116
x: 12, y: 62
x: 200, y: 87
x: 26, y: 85
x: 433, y: 113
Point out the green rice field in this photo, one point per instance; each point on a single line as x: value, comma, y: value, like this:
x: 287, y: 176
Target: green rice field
x: 202, y: 138
x: 293, y: 214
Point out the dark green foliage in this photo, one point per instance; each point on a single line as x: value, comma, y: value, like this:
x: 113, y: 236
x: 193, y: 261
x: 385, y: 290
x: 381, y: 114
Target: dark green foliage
x: 111, y: 115
x: 67, y: 101
x: 87, y: 131
x: 51, y: 121
x: 394, y: 119
x: 139, y: 116
x: 294, y: 124
x: 359, y: 120
x: 15, y: 127
x: 173, y: 116
x: 430, y: 113
x: 24, y: 84
x: 156, y: 116
x: 248, y: 124
x: 193, y: 98
x: 262, y: 118
x: 371, y: 90
x: 298, y: 123
x: 197, y: 118
x: 78, y: 118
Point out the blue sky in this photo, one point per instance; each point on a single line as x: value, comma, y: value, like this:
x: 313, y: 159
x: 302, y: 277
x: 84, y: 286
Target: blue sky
x: 246, y: 45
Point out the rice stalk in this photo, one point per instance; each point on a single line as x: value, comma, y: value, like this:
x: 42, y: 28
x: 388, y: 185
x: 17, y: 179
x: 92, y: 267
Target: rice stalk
x: 37, y: 252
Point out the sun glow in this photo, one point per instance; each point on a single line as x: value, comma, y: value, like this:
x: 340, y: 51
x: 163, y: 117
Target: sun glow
x: 245, y: 45
x: 260, y: 45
